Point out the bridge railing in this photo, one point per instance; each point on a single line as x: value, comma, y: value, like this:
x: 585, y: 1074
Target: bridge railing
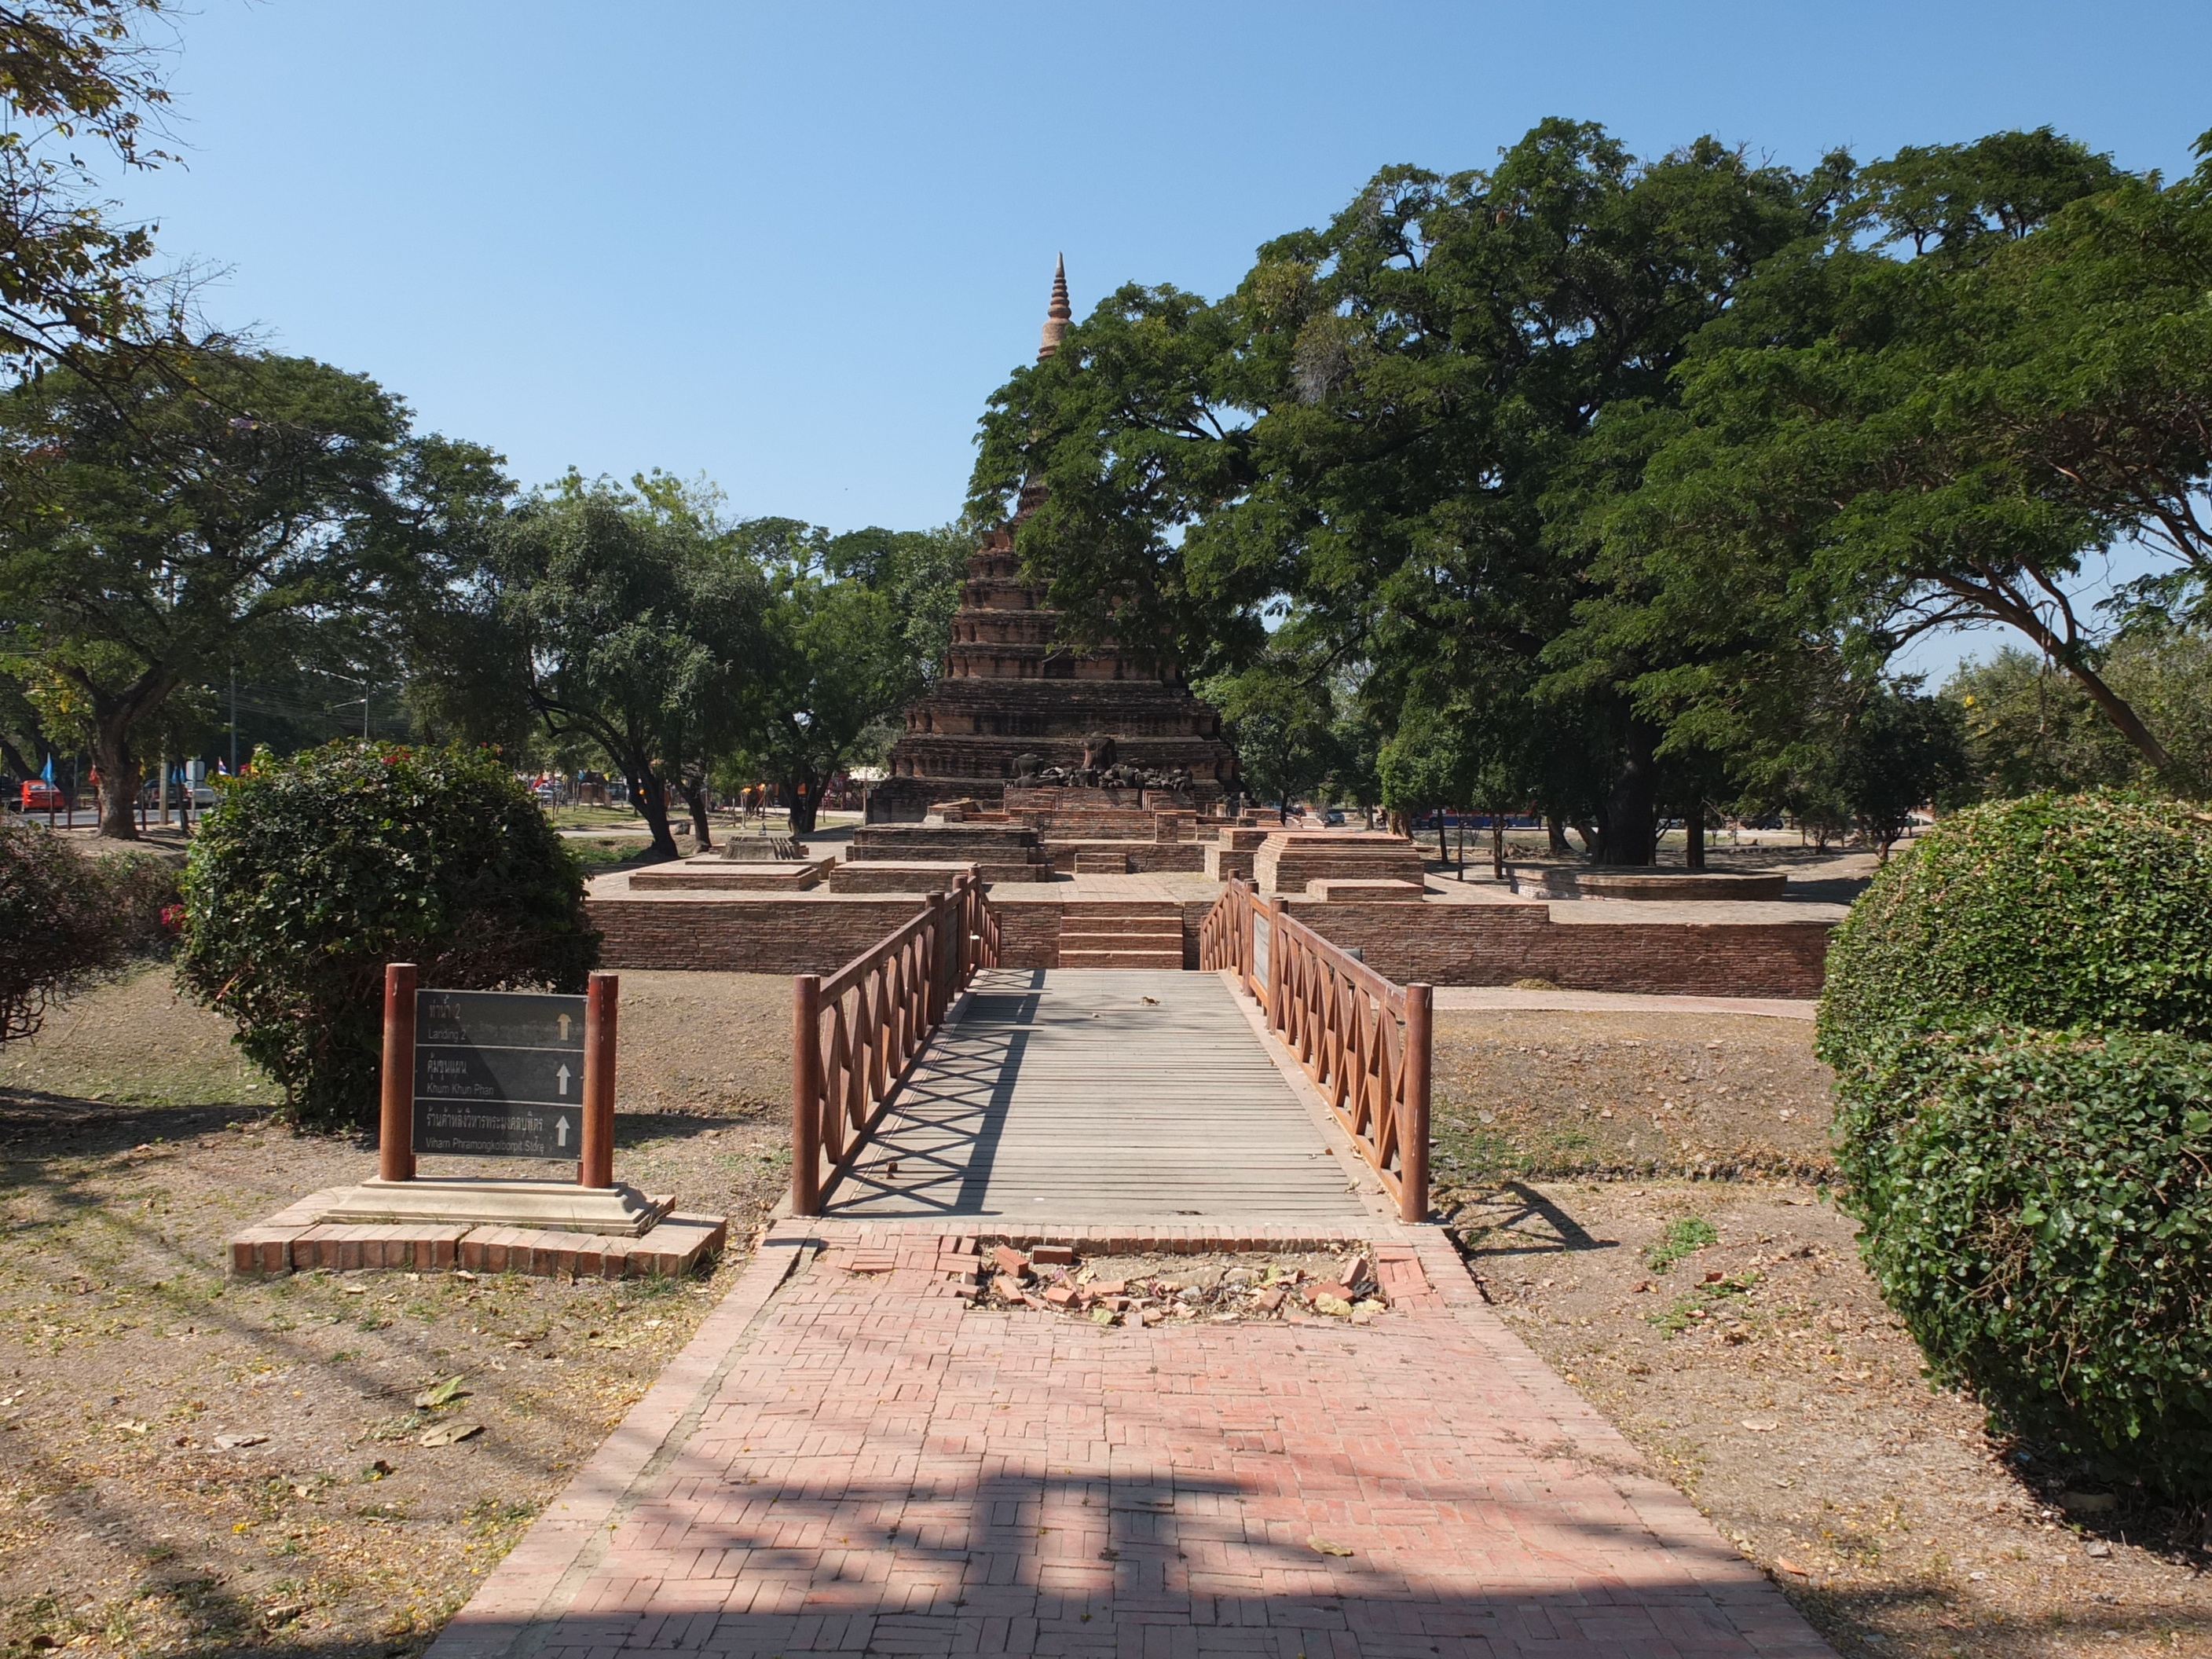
x: 1362, y: 1039
x: 854, y: 1033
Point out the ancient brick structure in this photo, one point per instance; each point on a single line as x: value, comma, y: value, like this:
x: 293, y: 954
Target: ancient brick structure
x: 1015, y: 702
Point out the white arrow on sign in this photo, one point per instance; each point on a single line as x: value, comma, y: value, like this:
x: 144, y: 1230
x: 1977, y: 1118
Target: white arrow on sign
x: 561, y: 1132
x: 562, y: 1021
x: 563, y: 1075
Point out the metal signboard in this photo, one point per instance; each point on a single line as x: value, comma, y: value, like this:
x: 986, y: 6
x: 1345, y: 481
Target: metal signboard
x: 499, y: 1074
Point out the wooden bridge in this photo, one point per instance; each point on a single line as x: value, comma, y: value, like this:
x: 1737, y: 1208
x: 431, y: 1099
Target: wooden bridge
x: 927, y: 1081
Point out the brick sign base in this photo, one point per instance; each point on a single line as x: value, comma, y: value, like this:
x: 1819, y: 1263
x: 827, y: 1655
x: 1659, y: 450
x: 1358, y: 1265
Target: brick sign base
x: 297, y: 1240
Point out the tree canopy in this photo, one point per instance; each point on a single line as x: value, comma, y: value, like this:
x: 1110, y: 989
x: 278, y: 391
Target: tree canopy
x: 1654, y: 463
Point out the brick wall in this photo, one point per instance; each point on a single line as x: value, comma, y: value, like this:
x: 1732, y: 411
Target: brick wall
x: 768, y: 934
x: 1497, y: 943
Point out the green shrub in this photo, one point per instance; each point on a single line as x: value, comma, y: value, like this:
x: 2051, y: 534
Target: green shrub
x: 145, y: 900
x: 2060, y: 912
x: 58, y: 924
x: 308, y: 875
x: 2038, y: 1210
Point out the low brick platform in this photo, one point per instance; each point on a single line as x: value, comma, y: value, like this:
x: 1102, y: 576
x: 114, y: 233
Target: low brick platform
x: 296, y: 1239
x: 1374, y: 892
x: 1289, y: 858
x: 710, y: 873
x: 848, y: 1459
x: 889, y: 875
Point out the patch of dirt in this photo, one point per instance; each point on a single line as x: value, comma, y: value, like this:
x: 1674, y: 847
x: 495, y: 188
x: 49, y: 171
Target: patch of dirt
x: 191, y: 1466
x: 1524, y: 1092
x: 1763, y: 1374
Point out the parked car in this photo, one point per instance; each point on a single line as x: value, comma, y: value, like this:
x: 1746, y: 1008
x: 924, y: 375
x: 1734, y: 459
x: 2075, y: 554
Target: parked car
x: 202, y: 793
x: 39, y: 796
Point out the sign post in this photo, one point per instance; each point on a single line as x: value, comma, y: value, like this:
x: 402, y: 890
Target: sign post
x: 499, y: 1074
x: 596, y: 1166
x: 395, y: 1139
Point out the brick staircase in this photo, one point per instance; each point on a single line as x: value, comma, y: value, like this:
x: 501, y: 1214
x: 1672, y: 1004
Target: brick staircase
x: 1120, y: 934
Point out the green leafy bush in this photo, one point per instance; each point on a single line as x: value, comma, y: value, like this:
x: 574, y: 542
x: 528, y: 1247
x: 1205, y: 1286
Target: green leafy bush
x: 58, y: 924
x: 2089, y: 911
x: 308, y: 875
x: 145, y: 899
x: 2038, y: 1210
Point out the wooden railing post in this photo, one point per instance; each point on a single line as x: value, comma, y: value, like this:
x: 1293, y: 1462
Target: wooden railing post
x: 595, y: 1167
x: 1413, y: 1132
x: 806, y: 1095
x: 1273, y: 1003
x: 395, y: 1134
x: 951, y: 950
x: 1248, y: 946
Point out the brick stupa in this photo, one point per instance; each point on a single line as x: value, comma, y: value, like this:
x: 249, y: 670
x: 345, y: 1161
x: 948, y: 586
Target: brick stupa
x: 1015, y: 703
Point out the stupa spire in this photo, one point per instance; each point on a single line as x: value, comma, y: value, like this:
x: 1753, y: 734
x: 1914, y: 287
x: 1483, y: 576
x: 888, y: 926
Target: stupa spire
x: 1057, y: 314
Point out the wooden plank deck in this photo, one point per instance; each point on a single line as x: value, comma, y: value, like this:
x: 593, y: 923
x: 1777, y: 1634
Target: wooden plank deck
x: 1066, y: 1094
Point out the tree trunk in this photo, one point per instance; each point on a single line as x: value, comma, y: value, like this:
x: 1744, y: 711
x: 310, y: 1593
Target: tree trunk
x: 1694, y: 836
x: 805, y: 803
x: 1632, y: 809
x: 645, y: 795
x: 1498, y: 846
x: 117, y: 777
x: 695, y: 797
x: 1593, y: 841
x: 1555, y: 835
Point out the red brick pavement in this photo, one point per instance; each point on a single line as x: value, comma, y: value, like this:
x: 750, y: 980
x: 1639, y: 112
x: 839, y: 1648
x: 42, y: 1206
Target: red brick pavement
x: 849, y: 1460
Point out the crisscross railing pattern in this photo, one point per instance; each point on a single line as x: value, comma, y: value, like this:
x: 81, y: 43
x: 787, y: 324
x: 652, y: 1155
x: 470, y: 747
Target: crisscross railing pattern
x: 1363, y: 1040
x: 854, y: 1033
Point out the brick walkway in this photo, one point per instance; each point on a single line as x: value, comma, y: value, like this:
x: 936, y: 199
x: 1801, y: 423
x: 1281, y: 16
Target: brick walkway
x: 848, y: 1460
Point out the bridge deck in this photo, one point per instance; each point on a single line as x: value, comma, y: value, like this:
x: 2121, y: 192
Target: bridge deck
x: 1114, y: 1094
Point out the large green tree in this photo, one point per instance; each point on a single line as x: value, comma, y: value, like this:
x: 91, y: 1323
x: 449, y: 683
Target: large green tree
x: 1996, y: 365
x: 1376, y: 420
x: 631, y: 619
x: 74, y: 75
x: 195, y: 510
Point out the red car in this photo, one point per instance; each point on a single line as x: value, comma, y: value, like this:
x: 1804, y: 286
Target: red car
x: 39, y: 796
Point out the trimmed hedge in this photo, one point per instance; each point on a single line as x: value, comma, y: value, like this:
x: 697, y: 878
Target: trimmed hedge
x: 2054, y: 911
x: 2038, y: 1210
x: 309, y: 874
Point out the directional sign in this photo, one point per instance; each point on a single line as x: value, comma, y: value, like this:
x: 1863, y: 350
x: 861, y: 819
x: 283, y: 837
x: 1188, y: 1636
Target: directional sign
x: 499, y: 1073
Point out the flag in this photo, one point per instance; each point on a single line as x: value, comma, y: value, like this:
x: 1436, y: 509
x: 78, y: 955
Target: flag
x: 48, y: 774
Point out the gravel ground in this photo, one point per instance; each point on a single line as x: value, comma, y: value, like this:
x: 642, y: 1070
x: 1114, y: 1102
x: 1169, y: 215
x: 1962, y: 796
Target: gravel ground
x: 1758, y: 1368
x: 230, y: 1467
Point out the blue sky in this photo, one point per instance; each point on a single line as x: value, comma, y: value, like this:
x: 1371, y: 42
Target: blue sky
x: 795, y: 246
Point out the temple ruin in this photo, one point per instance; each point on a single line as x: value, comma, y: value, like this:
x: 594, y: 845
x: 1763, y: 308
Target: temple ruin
x: 1017, y: 707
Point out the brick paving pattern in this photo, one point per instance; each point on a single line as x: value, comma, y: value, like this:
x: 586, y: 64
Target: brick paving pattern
x: 850, y: 1460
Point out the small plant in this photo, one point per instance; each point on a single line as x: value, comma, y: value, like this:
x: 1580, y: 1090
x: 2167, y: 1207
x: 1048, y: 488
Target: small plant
x: 1694, y: 1308
x: 1684, y: 1236
x: 309, y: 874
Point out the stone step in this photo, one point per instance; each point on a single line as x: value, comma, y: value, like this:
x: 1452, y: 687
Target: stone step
x: 1121, y: 958
x: 1140, y: 937
x: 1118, y: 910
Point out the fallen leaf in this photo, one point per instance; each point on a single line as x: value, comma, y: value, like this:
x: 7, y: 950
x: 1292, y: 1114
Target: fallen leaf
x: 447, y: 1434
x: 129, y: 1426
x: 442, y: 1394
x: 1321, y: 1545
x: 1789, y: 1566
x: 238, y: 1442
x: 1757, y: 1427
x: 356, y: 1290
